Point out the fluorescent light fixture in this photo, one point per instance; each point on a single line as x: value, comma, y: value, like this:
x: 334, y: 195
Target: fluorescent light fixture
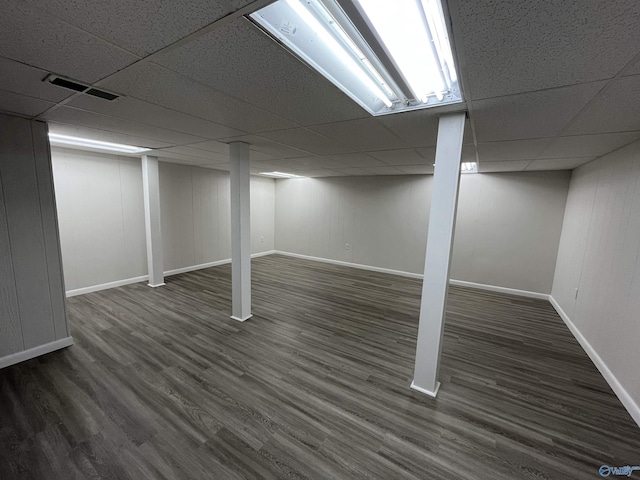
x: 55, y: 138
x: 469, y: 167
x: 280, y: 175
x: 387, y: 56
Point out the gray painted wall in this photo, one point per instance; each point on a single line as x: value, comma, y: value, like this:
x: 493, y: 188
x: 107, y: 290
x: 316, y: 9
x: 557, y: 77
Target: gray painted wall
x: 507, y: 231
x: 32, y: 308
x: 599, y: 254
x: 102, y: 216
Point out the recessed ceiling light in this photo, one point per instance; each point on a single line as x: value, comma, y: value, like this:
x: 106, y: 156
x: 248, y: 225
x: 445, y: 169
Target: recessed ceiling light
x: 280, y: 175
x: 387, y: 56
x: 57, y: 139
x: 469, y: 167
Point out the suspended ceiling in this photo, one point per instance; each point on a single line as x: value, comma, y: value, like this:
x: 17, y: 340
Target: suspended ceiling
x: 549, y: 85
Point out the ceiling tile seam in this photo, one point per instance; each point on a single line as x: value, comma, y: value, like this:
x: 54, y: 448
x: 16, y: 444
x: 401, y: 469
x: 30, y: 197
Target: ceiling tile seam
x: 120, y: 133
x: 192, y: 36
x: 452, y: 8
x: 202, y: 139
x: 209, y: 87
x: 25, y: 95
x: 310, y: 154
x: 609, y: 153
x: 163, y: 150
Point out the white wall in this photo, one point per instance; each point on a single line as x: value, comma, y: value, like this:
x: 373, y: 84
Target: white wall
x: 101, y: 217
x: 599, y: 254
x: 195, y: 211
x: 33, y: 318
x: 101, y: 212
x: 507, y: 231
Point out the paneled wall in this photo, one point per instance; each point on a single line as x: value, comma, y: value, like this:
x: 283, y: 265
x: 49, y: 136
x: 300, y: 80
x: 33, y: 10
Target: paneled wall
x: 102, y: 217
x: 33, y: 317
x: 507, y: 231
x: 597, y: 278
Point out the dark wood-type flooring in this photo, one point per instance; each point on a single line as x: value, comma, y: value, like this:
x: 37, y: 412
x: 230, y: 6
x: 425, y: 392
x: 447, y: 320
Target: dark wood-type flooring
x: 161, y: 383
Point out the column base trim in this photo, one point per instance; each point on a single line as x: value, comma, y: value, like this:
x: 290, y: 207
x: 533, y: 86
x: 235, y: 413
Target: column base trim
x: 424, y: 390
x: 34, y: 352
x: 156, y: 286
x: 242, y: 319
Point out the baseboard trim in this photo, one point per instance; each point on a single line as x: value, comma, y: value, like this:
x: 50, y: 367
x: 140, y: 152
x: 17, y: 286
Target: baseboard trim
x: 105, y: 286
x: 629, y: 403
x: 35, y: 352
x: 241, y: 319
x: 168, y: 273
x: 433, y: 393
x: 495, y: 288
x: 349, y: 264
x: 480, y: 286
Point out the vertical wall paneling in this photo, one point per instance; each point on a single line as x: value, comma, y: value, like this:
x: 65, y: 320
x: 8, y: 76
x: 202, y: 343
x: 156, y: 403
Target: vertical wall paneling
x: 10, y: 328
x: 24, y: 219
x: 50, y: 227
x: 597, y: 280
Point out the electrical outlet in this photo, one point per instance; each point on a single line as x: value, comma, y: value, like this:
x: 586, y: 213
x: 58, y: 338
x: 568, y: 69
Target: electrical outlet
x: 347, y: 246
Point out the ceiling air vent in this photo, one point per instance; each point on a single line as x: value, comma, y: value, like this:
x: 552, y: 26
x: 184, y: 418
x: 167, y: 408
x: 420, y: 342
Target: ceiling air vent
x: 79, y: 87
x: 66, y: 83
x: 101, y: 93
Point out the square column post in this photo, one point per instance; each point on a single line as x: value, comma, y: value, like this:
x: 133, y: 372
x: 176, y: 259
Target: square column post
x: 442, y: 218
x: 151, y: 192
x: 240, y: 232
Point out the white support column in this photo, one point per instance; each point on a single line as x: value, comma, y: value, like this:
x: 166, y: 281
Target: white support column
x: 151, y: 189
x: 442, y: 218
x: 240, y: 232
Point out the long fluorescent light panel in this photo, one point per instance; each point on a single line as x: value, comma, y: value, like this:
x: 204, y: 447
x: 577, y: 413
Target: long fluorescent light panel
x: 409, y: 35
x: 97, y: 144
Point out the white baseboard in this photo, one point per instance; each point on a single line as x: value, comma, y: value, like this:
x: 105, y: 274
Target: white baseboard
x: 349, y: 264
x: 168, y: 273
x: 481, y: 286
x: 629, y: 403
x: 35, y: 352
x: 433, y: 393
x: 104, y: 286
x: 494, y: 288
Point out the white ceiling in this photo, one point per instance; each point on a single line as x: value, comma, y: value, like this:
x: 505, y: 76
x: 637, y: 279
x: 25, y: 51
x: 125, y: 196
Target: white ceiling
x: 549, y: 85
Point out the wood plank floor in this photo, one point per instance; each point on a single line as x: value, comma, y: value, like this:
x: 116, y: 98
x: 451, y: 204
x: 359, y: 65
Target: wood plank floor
x: 163, y: 384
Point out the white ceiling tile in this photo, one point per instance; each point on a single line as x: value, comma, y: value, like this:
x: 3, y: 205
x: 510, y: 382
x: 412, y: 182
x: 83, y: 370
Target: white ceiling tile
x: 429, y: 153
x: 558, y: 163
x: 269, y: 147
x: 187, y: 153
x: 240, y: 60
x: 25, y: 80
x: 218, y: 166
x: 388, y: 170
x: 32, y: 36
x: 356, y: 160
x: 144, y: 112
x: 491, y: 167
x: 512, y: 150
x: 140, y: 26
x: 308, y: 140
x: 83, y: 118
x: 156, y: 84
x: 587, y: 145
x: 419, y: 128
x: 530, y: 115
x: 615, y: 109
x: 405, y: 156
x: 318, y: 173
x: 352, y: 171
x: 314, y: 163
x: 513, y: 47
x: 416, y: 169
x: 13, y: 103
x: 212, y: 146
x: 104, y: 136
x: 365, y: 135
